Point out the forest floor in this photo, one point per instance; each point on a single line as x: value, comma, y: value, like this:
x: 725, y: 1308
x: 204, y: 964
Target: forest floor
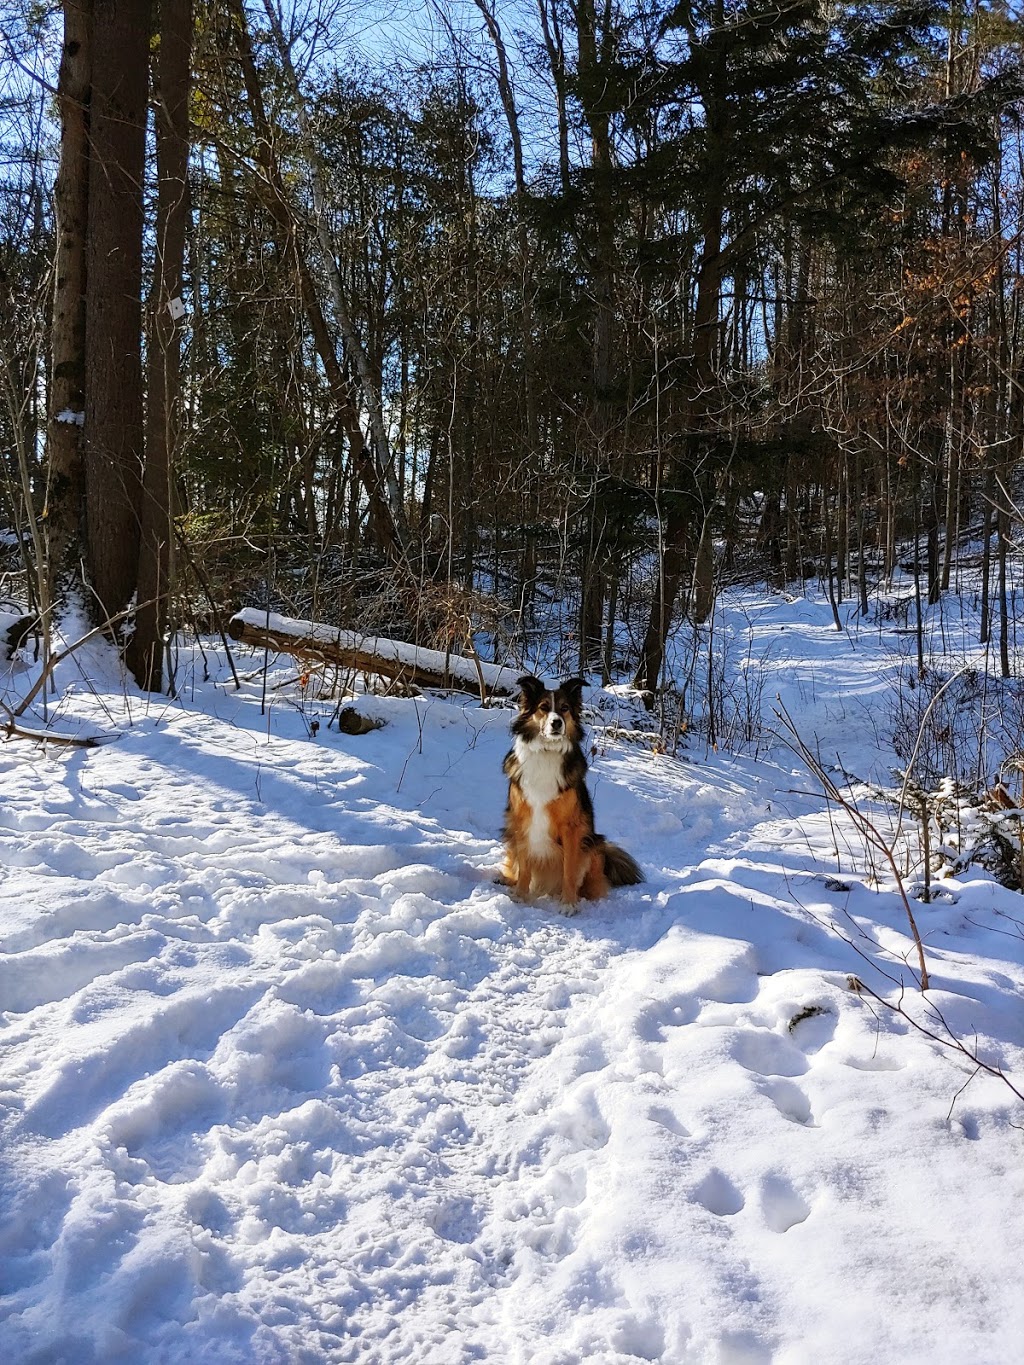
x: 285, y: 1077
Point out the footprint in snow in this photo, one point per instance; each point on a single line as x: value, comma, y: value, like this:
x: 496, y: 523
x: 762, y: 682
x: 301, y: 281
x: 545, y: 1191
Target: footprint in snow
x: 457, y: 1220
x: 664, y: 1118
x: 788, y: 1098
x: 719, y: 1195
x: 763, y: 1051
x: 874, y: 1063
x: 967, y: 1126
x: 812, y: 1027
x: 782, y: 1206
x: 655, y: 1018
x: 742, y: 1348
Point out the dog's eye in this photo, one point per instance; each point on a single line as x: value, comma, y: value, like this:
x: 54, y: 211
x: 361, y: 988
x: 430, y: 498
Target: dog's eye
x: 564, y: 709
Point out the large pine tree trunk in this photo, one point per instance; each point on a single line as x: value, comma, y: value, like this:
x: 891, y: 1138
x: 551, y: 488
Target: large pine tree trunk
x: 113, y: 435
x: 65, y: 486
x: 145, y: 652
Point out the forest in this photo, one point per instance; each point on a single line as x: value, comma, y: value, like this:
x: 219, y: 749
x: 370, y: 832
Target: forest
x: 486, y: 319
x: 355, y: 360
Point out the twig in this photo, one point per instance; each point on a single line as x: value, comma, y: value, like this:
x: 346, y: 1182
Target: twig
x: 56, y: 659
x: 71, y: 741
x: 868, y: 831
x: 951, y: 1041
x: 204, y: 583
x: 14, y: 731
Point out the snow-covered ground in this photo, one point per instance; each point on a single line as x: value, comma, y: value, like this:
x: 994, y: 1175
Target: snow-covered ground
x: 285, y: 1077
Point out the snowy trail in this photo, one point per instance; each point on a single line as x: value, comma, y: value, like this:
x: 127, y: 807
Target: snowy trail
x: 214, y: 1002
x: 286, y: 1078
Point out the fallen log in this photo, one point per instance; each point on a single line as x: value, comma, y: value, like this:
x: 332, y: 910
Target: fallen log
x: 374, y: 654
x: 11, y: 730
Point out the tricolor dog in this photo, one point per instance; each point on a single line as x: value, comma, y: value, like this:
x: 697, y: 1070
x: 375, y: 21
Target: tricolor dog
x: 551, y: 847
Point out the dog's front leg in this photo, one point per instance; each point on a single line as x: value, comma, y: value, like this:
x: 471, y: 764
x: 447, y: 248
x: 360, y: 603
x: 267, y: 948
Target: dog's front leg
x: 572, y: 870
x: 523, y: 877
x: 519, y: 872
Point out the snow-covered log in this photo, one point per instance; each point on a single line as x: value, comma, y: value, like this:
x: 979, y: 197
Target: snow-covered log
x: 374, y: 654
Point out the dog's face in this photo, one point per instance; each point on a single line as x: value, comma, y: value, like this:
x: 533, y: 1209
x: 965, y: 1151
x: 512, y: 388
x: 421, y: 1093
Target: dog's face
x: 550, y: 719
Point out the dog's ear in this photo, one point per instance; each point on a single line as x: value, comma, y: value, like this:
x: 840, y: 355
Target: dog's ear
x: 573, y: 690
x: 532, y: 689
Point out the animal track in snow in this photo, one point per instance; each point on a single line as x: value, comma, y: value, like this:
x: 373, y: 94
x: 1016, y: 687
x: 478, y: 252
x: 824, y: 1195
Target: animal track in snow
x: 874, y: 1063
x: 208, y: 1210
x: 735, y: 982
x: 584, y: 1125
x: 719, y: 1195
x: 788, y: 1098
x: 639, y: 1339
x: 158, y: 1123
x: 741, y: 1348
x: 653, y: 1019
x: 968, y: 1127
x: 782, y: 1206
x: 466, y: 1037
x: 812, y: 1027
x: 665, y: 1118
x: 457, y: 1220
x: 765, y: 1052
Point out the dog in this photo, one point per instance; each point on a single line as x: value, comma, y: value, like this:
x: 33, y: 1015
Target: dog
x: 551, y: 847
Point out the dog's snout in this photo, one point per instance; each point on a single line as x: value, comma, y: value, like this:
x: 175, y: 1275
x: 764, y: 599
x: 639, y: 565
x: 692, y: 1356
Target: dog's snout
x: 556, y: 725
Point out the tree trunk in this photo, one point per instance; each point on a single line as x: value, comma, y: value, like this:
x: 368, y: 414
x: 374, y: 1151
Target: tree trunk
x: 1003, y: 542
x: 65, y: 475
x: 385, y: 658
x: 702, y: 591
x: 670, y: 578
x: 985, y: 632
x: 113, y: 309
x: 145, y: 652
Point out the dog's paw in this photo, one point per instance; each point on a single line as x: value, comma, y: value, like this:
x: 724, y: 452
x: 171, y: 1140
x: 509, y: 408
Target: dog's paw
x: 569, y: 908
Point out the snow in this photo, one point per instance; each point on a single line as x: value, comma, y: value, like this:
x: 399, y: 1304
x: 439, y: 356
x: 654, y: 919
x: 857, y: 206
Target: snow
x: 286, y: 1077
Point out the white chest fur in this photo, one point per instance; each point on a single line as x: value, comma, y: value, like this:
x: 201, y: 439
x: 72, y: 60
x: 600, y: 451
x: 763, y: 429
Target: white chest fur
x: 540, y: 773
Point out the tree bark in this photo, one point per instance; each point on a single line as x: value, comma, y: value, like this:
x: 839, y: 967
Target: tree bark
x: 113, y: 434
x: 64, y: 466
x: 145, y: 651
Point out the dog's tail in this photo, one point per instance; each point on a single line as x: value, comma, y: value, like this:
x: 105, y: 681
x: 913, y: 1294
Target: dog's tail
x: 619, y: 867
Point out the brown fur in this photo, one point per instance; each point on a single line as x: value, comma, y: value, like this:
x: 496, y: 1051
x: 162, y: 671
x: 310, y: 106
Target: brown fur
x: 551, y: 847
